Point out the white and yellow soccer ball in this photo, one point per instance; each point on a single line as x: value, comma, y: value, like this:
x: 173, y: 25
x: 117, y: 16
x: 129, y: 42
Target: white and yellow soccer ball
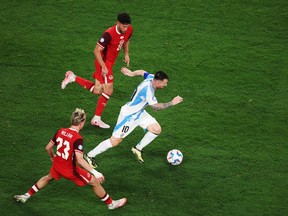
x: 174, y: 157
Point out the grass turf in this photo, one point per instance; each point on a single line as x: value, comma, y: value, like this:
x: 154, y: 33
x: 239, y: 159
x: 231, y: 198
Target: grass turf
x: 227, y: 59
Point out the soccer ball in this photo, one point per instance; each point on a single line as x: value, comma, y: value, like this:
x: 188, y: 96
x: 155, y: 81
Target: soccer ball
x: 174, y: 157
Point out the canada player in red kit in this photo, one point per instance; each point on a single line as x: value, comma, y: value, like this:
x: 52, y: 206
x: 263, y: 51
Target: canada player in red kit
x: 69, y: 153
x: 68, y: 142
x: 106, y: 51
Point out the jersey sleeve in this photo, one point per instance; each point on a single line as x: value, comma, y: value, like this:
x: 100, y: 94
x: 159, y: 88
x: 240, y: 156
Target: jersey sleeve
x: 130, y: 33
x: 104, y: 40
x: 146, y: 74
x: 54, y: 137
x: 78, y: 145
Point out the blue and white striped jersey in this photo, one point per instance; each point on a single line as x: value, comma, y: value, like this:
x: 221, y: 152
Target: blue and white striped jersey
x: 142, y: 96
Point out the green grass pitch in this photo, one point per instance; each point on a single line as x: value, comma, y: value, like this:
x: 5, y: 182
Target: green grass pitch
x: 227, y: 59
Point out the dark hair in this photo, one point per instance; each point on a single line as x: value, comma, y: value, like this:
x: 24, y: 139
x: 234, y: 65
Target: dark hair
x: 124, y: 18
x: 160, y: 75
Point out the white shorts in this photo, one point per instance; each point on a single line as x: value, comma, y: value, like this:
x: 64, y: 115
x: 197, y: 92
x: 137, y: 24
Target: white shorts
x: 126, y: 124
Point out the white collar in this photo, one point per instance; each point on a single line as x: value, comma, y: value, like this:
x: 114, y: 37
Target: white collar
x: 74, y: 129
x: 117, y: 30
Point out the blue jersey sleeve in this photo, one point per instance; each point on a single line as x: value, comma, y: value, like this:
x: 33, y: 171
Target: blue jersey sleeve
x: 145, y: 74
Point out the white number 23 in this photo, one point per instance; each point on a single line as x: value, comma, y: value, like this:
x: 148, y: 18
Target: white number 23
x: 66, y: 148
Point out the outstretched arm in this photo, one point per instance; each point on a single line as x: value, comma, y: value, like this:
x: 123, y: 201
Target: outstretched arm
x: 129, y: 73
x: 161, y: 106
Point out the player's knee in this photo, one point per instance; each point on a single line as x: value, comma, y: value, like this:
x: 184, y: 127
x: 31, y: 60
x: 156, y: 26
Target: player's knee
x: 115, y: 141
x: 97, y: 91
x: 97, y: 88
x: 156, y: 129
x: 109, y: 91
x: 94, y: 182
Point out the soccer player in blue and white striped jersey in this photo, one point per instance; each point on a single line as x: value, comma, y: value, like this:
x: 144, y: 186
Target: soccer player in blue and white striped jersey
x: 133, y: 114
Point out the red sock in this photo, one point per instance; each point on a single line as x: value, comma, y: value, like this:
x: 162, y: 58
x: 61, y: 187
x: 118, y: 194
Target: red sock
x: 101, y: 103
x: 84, y: 83
x: 33, y: 189
x: 107, y: 199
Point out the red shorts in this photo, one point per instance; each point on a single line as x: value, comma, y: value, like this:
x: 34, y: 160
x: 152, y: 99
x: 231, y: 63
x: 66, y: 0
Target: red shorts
x: 81, y: 177
x: 109, y: 78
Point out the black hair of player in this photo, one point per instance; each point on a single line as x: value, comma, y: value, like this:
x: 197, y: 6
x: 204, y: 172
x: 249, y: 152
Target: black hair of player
x: 124, y: 18
x: 160, y: 75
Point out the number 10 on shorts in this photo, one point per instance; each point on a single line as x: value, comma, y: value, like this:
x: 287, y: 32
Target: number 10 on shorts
x: 125, y: 129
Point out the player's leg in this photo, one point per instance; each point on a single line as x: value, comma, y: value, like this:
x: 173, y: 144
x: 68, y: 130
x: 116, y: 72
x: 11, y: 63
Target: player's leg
x: 124, y: 126
x: 104, y: 146
x: 105, y: 93
x: 102, y: 102
x: 101, y: 193
x: 98, y: 88
x: 71, y: 77
x: 154, y: 129
x: 41, y: 183
x: 84, y: 177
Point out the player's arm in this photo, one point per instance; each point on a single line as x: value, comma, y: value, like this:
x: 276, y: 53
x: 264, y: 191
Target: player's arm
x: 126, y: 53
x: 100, y: 46
x: 49, y: 149
x: 83, y: 163
x: 97, y: 52
x: 161, y: 106
x: 129, y: 73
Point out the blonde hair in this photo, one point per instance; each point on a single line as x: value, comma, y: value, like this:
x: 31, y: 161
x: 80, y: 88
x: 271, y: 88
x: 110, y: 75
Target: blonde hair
x: 78, y: 116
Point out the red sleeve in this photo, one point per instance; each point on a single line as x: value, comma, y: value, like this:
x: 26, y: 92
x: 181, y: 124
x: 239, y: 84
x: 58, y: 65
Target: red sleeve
x: 131, y: 33
x: 78, y: 145
x: 54, y: 137
x: 104, y: 40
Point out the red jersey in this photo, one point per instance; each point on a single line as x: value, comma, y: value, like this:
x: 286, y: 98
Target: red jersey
x: 112, y: 41
x: 68, y: 141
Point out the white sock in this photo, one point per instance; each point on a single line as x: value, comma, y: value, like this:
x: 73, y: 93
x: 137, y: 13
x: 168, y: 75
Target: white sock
x: 102, y: 147
x: 96, y: 118
x: 73, y: 78
x: 148, y: 138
